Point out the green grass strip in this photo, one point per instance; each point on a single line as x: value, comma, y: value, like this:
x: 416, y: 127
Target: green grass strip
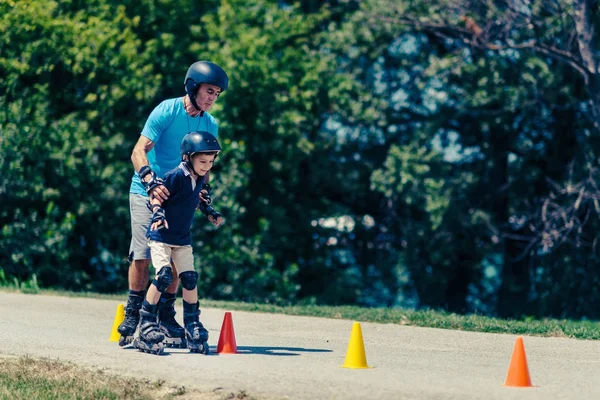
x: 589, y: 330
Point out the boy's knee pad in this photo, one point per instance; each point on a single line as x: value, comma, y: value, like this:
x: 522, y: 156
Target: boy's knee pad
x: 163, y: 279
x: 189, y: 279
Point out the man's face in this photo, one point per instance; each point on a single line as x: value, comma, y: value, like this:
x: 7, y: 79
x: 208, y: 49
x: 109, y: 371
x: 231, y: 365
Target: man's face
x: 207, y: 95
x: 202, y: 163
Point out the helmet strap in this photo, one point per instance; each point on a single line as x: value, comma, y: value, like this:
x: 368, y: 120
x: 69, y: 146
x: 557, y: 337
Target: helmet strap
x: 188, y: 164
x: 193, y: 101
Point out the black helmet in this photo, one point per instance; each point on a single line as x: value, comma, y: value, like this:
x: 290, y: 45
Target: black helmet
x: 199, y: 142
x: 205, y: 72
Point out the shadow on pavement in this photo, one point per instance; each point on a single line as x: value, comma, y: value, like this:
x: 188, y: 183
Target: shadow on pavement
x: 278, y: 351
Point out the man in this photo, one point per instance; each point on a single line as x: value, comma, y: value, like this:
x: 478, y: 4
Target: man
x: 156, y: 152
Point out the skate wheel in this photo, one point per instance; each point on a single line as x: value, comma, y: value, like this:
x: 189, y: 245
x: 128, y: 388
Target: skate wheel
x: 125, y: 341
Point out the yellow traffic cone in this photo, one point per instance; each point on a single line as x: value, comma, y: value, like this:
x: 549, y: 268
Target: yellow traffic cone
x: 119, y: 317
x: 355, y: 356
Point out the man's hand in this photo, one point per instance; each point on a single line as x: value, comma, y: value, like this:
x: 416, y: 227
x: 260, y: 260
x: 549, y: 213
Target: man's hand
x: 153, y: 184
x: 216, y: 219
x: 160, y: 192
x: 205, y: 194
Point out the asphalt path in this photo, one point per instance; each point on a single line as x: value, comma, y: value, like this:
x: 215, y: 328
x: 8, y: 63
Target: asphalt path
x: 288, y: 357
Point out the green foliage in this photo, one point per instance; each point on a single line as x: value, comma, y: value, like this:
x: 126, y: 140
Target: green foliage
x: 375, y: 153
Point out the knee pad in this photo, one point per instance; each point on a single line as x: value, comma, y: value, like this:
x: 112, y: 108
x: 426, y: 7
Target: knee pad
x: 163, y: 279
x: 189, y: 279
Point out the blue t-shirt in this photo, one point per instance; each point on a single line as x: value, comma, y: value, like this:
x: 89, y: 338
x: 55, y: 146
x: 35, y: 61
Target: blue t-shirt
x: 179, y: 208
x: 167, y: 124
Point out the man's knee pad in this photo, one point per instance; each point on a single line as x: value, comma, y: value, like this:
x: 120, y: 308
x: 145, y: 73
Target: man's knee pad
x: 164, y: 278
x: 189, y: 279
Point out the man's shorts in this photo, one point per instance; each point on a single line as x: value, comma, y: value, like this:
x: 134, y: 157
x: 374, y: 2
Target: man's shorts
x: 163, y: 253
x: 140, y: 219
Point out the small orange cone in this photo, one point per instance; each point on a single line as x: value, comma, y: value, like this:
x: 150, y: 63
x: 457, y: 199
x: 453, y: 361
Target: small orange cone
x: 227, y: 343
x: 518, y: 372
x: 355, y: 356
x: 119, y: 317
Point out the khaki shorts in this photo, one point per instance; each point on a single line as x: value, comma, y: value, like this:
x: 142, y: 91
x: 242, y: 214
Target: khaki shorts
x: 162, y: 254
x: 140, y: 218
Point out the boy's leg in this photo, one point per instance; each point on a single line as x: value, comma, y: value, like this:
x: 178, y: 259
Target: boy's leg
x: 174, y: 333
x: 195, y: 333
x: 151, y: 336
x: 139, y: 256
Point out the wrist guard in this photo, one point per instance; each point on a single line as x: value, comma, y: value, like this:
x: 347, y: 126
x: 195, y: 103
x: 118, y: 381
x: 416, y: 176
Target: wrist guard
x: 206, y: 186
x: 207, y: 209
x: 153, y: 182
x: 158, y: 216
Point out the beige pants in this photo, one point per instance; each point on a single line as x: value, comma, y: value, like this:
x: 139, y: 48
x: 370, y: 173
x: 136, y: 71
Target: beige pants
x: 162, y: 253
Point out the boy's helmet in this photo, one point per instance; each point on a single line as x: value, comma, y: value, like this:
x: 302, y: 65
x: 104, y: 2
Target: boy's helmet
x: 205, y: 72
x: 199, y: 142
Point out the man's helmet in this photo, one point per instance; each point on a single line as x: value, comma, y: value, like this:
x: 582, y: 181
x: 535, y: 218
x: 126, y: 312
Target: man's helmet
x: 205, y: 72
x: 199, y: 142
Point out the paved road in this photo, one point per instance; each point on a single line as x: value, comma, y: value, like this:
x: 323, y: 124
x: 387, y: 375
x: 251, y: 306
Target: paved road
x: 286, y: 357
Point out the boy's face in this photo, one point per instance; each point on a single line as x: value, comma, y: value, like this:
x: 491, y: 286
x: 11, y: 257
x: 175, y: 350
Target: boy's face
x: 202, y: 163
x: 207, y: 95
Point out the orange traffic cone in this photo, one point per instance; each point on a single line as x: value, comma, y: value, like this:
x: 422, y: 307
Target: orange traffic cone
x: 518, y: 372
x: 226, y: 343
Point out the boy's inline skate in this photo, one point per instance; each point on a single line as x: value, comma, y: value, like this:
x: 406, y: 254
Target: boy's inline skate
x: 150, y: 337
x: 195, y: 333
x: 174, y: 333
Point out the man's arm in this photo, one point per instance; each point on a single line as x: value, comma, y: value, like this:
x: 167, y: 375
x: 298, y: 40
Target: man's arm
x: 139, y: 160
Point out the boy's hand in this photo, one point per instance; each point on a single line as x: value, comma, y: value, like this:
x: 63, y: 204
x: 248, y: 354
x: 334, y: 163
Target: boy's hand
x: 216, y: 219
x: 159, y: 220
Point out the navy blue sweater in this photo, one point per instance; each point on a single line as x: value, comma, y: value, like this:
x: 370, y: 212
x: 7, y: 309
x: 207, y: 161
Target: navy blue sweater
x: 179, y: 208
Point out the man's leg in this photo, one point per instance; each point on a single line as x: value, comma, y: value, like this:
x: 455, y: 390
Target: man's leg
x: 138, y: 275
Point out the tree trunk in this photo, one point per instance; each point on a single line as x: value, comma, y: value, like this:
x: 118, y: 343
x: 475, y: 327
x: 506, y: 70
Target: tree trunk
x: 514, y: 290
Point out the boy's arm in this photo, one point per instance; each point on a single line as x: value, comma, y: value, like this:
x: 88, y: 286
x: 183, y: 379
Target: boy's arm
x: 206, y: 208
x: 159, y: 217
x: 205, y: 192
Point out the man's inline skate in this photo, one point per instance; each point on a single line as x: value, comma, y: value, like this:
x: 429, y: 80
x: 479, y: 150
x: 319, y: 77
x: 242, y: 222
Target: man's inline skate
x: 131, y: 321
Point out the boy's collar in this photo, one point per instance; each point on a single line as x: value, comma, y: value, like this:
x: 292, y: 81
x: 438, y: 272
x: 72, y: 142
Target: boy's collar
x: 187, y: 172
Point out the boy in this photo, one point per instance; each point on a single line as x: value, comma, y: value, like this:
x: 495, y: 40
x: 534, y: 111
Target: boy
x: 170, y: 239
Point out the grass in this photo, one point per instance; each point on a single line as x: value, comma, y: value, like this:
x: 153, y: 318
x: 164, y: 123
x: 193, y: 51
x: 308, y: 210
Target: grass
x: 589, y: 330
x: 27, y: 378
